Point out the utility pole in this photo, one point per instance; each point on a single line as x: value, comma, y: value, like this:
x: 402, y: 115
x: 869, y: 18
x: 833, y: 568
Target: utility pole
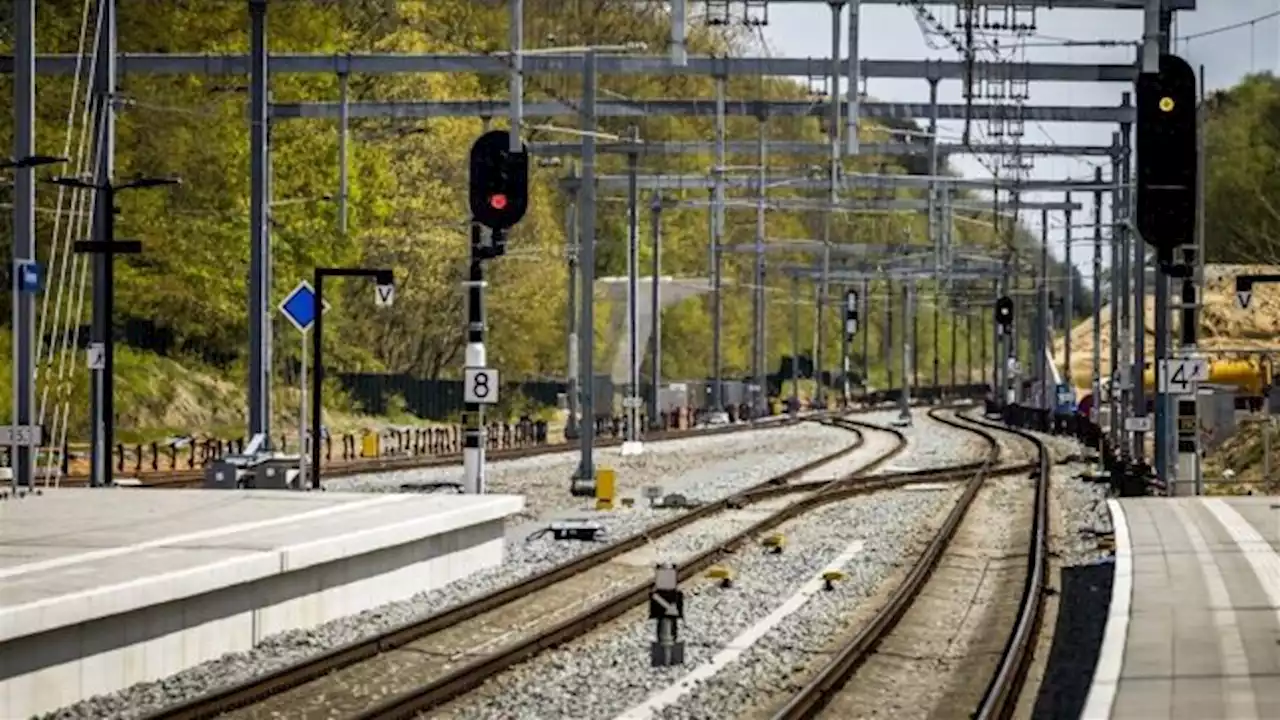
x: 717, y: 239
x: 908, y: 350
x: 1068, y: 295
x: 655, y: 307
x: 833, y: 197
x: 24, y: 423
x: 101, y: 390
x: 584, y: 480
x: 1041, y: 344
x: 633, y: 401
x: 572, y: 426
x: 795, y: 345
x: 758, y: 360
x: 1096, y: 407
x: 259, y: 223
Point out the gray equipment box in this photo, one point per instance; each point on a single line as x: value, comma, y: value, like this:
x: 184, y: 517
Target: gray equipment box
x: 277, y: 473
x: 226, y: 474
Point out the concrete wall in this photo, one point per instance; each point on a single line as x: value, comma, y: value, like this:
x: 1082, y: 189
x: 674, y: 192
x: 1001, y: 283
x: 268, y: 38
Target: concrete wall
x: 43, y: 672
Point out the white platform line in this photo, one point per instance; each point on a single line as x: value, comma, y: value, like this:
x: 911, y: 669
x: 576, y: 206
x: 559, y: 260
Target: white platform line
x: 1237, y: 686
x: 740, y: 644
x: 1257, y: 551
x: 104, y: 553
x: 1106, y: 675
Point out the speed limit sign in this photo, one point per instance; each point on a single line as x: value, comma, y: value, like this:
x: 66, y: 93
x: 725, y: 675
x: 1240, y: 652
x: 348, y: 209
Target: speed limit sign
x: 480, y: 385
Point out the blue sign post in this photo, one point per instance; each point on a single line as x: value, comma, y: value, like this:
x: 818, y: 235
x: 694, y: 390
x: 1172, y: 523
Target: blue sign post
x: 299, y: 308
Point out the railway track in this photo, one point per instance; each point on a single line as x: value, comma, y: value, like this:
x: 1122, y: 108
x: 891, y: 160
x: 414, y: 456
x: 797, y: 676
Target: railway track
x: 430, y: 662
x: 194, y: 477
x: 518, y: 601
x: 1003, y: 689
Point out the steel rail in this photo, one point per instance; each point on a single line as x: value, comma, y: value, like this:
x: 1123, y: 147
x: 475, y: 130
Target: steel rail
x: 1001, y: 697
x: 260, y: 688
x: 438, y: 691
x: 814, y: 696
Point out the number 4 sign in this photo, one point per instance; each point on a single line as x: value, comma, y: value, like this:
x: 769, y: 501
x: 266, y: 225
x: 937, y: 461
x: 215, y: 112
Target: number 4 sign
x: 480, y: 385
x: 1179, y: 375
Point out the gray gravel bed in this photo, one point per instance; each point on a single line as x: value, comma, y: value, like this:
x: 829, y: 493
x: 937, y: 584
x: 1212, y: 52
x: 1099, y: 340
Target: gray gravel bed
x: 684, y: 466
x: 930, y: 444
x: 704, y: 469
x: 608, y: 672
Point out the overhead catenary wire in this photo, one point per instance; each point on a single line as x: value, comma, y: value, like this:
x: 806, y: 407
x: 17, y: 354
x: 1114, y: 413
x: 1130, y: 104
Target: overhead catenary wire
x: 72, y: 270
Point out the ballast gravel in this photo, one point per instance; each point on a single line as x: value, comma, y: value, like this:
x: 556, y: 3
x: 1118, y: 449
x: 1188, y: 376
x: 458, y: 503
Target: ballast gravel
x: 694, y: 465
x: 930, y: 444
x: 704, y: 469
x: 608, y: 671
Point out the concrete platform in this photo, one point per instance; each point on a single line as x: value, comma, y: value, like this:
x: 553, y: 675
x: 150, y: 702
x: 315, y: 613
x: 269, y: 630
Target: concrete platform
x: 101, y: 589
x: 1194, y: 621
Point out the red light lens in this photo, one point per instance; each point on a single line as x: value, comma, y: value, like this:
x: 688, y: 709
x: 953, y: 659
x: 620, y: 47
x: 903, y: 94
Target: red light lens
x: 498, y: 202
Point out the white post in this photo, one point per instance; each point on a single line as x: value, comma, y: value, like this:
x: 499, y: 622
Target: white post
x: 302, y: 419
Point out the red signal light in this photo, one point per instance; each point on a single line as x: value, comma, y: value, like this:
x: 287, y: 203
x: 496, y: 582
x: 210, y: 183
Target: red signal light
x: 498, y: 202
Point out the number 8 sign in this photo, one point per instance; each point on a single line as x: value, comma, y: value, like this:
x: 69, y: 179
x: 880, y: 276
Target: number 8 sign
x: 480, y: 386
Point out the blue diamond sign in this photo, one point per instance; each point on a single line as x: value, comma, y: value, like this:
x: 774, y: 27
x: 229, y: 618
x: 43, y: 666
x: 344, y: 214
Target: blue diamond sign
x: 299, y: 306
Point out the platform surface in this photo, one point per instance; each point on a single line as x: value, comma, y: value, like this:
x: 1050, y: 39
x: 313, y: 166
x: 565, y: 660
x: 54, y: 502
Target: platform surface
x: 77, y: 554
x: 1193, y: 631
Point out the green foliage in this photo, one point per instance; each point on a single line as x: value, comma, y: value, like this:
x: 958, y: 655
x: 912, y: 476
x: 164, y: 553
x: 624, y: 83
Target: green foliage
x: 1242, y: 180
x: 407, y: 200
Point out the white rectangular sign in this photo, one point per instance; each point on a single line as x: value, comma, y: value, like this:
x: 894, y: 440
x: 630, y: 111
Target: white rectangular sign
x: 25, y: 435
x: 384, y: 295
x: 1179, y: 375
x: 480, y: 385
x: 97, y: 356
x: 1138, y: 424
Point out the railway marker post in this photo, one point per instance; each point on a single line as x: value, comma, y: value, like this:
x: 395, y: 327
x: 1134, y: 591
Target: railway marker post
x: 666, y: 605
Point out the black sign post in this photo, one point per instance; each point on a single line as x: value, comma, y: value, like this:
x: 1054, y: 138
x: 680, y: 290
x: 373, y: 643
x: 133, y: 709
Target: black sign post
x: 383, y: 278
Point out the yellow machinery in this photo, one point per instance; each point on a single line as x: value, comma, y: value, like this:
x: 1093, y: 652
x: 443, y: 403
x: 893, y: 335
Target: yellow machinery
x: 1251, y: 378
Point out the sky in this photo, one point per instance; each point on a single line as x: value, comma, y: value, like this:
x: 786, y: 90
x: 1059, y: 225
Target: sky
x: 1230, y: 38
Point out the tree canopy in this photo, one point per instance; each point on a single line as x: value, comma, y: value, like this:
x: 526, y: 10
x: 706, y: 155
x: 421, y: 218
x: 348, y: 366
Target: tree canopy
x: 184, y: 299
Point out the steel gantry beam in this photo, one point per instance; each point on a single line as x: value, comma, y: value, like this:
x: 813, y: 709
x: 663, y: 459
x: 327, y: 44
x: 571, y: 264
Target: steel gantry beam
x: 863, y: 204
x: 1040, y: 4
x: 800, y: 147
x: 686, y: 107
x: 857, y: 182
x: 570, y: 64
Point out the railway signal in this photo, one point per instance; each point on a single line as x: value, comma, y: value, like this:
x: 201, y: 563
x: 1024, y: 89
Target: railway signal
x: 1004, y: 312
x: 851, y: 313
x: 499, y: 191
x: 1166, y: 144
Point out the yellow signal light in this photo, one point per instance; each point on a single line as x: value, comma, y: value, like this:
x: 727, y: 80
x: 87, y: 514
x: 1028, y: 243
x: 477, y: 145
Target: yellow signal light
x: 1166, y: 104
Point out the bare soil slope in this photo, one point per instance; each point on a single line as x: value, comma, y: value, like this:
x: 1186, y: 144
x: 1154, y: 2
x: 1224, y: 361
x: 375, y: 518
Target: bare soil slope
x: 1223, y: 325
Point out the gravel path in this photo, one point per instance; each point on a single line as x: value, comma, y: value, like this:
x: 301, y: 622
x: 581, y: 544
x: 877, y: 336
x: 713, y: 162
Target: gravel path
x: 704, y: 469
x: 608, y: 672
